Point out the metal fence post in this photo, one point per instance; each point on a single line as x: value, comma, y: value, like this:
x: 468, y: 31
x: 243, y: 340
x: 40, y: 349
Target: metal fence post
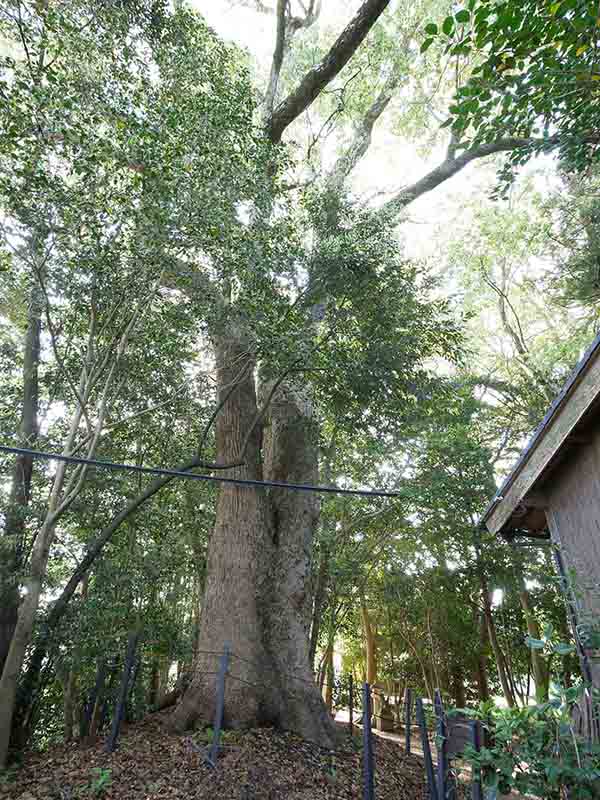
x: 368, y: 786
x: 475, y: 737
x: 220, y: 705
x: 441, y: 746
x: 123, y: 691
x: 351, y: 702
x: 407, y: 716
x: 433, y: 795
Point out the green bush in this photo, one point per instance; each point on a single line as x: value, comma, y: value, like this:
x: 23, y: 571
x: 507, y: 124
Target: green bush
x: 535, y: 750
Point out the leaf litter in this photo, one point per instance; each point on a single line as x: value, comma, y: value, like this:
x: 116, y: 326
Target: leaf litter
x: 153, y: 763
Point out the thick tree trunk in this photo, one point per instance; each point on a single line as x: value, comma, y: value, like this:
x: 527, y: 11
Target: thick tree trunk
x: 69, y: 701
x: 11, y: 542
x: 255, y: 594
x: 291, y: 454
x: 239, y: 553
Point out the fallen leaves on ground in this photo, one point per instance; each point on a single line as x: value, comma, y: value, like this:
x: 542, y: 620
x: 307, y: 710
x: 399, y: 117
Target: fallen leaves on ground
x: 261, y: 764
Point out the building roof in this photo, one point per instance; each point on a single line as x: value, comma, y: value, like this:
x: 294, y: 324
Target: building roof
x: 516, y: 506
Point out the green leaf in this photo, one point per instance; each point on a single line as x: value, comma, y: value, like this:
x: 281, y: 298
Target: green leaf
x: 426, y: 44
x: 448, y: 26
x: 462, y: 16
x: 431, y: 29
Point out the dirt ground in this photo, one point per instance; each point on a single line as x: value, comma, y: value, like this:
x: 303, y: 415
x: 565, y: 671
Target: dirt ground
x: 261, y: 764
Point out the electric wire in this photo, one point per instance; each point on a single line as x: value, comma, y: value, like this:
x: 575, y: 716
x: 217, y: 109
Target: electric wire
x: 175, y: 473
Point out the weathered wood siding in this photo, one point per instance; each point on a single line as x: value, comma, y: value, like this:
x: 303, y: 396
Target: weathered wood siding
x: 551, y: 440
x: 574, y: 522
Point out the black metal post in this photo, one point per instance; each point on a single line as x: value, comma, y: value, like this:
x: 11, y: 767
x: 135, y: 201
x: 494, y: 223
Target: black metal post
x: 132, y: 641
x: 441, y: 745
x: 407, y: 716
x: 420, y: 714
x: 220, y: 706
x: 368, y: 784
x: 351, y: 702
x: 475, y: 737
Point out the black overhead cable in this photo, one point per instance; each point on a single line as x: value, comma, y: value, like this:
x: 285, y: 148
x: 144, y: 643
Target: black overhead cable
x: 176, y: 473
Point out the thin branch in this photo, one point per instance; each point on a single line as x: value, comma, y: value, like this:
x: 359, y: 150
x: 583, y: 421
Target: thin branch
x: 53, y: 342
x: 363, y: 132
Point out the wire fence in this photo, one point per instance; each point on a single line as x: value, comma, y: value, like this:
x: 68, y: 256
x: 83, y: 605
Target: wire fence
x: 424, y: 721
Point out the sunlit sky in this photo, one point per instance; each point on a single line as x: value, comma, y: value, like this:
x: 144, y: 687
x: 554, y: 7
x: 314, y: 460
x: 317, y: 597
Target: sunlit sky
x: 391, y: 163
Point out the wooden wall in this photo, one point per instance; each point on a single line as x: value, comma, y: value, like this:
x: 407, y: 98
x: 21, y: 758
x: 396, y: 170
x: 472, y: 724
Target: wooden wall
x: 574, y: 522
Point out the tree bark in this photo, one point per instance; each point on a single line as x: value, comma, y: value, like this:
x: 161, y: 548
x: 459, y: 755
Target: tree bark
x: 291, y: 455
x: 498, y: 654
x: 318, y: 602
x: 317, y: 78
x: 256, y: 595
x: 69, y: 700
x: 483, y: 687
x: 541, y: 674
x: 14, y: 527
x: 238, y: 554
x: 458, y: 687
x: 370, y: 644
x: 328, y: 678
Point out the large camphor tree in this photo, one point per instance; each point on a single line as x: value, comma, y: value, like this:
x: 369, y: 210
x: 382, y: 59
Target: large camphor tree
x: 297, y: 309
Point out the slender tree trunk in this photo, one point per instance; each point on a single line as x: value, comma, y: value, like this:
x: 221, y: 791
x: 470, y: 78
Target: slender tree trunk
x: 458, y: 687
x: 370, y: 644
x: 11, y: 542
x: 497, y: 650
x: 541, y: 675
x: 23, y: 632
x: 328, y: 678
x: 483, y: 687
x: 69, y: 700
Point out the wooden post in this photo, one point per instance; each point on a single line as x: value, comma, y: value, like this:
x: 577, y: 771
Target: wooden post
x: 420, y: 714
x: 368, y: 784
x: 475, y: 737
x: 220, y: 705
x: 123, y: 691
x: 442, y: 745
x: 407, y: 717
x: 351, y: 703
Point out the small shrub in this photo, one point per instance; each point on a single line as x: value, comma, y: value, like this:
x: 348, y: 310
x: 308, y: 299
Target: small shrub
x: 101, y: 782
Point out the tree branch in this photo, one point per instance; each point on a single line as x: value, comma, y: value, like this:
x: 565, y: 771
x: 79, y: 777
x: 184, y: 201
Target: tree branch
x: 363, y: 133
x: 326, y: 70
x: 453, y: 164
x: 277, y: 61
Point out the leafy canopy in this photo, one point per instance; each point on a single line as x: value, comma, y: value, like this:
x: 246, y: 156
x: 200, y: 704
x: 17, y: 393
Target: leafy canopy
x: 534, y: 74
